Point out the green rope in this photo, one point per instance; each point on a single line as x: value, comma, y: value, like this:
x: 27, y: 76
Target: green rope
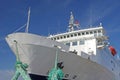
x: 21, y: 68
x: 17, y: 53
x: 56, y: 73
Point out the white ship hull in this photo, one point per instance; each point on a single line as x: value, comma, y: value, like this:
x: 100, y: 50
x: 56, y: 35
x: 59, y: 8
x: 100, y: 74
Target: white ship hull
x: 38, y: 52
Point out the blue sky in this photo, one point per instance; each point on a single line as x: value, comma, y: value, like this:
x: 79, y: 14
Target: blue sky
x: 52, y: 16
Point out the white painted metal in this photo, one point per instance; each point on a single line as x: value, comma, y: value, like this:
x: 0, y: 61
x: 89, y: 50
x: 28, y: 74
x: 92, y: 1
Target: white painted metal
x: 90, y: 63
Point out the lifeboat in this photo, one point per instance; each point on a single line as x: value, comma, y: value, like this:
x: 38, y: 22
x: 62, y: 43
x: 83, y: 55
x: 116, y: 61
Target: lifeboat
x: 112, y: 50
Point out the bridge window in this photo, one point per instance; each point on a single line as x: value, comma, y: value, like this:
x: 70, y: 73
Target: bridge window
x: 95, y: 31
x: 64, y: 36
x: 79, y: 34
x: 91, y: 32
x: 83, y: 33
x: 54, y: 38
x: 61, y: 37
x: 74, y: 43
x: 71, y: 35
x: 87, y: 33
x: 75, y: 34
x: 58, y: 38
x: 68, y: 44
x: 81, y: 42
x: 67, y: 36
x: 99, y: 31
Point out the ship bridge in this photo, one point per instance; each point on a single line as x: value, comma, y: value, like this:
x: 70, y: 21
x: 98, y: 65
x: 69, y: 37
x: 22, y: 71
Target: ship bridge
x: 92, y: 44
x: 82, y: 41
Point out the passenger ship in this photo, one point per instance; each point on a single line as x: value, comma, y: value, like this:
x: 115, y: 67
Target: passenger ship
x: 84, y: 54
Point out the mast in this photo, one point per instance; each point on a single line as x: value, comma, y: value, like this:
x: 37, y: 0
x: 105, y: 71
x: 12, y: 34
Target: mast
x: 28, y: 21
x: 72, y: 23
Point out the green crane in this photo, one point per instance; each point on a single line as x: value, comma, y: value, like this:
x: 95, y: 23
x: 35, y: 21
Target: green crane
x: 21, y: 68
x: 56, y: 73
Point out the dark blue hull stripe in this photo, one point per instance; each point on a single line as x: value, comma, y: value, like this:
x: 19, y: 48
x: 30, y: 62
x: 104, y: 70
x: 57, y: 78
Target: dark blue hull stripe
x: 39, y: 77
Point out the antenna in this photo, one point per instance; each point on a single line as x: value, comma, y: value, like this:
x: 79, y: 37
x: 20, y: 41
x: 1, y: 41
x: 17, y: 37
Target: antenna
x: 90, y: 23
x: 72, y: 23
x: 28, y: 21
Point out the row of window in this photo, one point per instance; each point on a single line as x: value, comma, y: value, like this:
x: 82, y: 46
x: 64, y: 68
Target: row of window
x: 76, y: 34
x: 75, y: 43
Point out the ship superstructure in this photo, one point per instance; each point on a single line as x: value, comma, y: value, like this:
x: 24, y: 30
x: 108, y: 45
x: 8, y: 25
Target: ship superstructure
x: 84, y: 53
x: 91, y: 43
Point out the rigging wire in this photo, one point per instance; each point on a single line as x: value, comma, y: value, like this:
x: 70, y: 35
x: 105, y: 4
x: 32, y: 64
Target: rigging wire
x: 25, y: 25
x: 20, y: 28
x: 2, y: 38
